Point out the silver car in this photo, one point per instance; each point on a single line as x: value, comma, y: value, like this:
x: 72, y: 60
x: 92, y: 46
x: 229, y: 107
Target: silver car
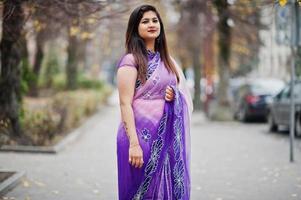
x: 279, y: 114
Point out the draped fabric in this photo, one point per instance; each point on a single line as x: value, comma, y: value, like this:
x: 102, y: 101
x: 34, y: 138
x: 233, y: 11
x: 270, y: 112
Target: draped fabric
x: 163, y: 133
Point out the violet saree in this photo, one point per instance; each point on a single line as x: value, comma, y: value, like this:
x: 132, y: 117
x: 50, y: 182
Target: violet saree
x: 163, y: 133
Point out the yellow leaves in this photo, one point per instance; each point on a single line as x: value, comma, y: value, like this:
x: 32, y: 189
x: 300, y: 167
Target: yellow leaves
x: 86, y: 35
x: 282, y: 2
x: 8, y: 198
x: 40, y: 184
x: 31, y: 183
x: 27, y: 198
x: 241, y: 49
x: 90, y: 21
x: 38, y: 25
x: 74, y: 30
x: 4, y: 123
x: 26, y: 183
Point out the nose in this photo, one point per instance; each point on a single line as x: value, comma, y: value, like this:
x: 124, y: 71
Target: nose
x: 151, y: 24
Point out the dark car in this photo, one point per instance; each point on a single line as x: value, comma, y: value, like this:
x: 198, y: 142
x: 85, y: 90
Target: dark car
x: 280, y: 109
x: 252, y: 99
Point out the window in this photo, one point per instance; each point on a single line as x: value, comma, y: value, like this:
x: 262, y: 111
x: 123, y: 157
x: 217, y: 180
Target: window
x: 285, y: 93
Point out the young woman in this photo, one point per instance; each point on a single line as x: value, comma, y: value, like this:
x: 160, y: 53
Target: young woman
x: 153, y: 141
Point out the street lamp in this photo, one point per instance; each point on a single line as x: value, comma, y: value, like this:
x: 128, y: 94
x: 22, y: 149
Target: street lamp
x: 294, y: 43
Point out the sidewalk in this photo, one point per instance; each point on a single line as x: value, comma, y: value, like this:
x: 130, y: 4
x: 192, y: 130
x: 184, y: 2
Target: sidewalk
x: 230, y: 161
x: 84, y: 170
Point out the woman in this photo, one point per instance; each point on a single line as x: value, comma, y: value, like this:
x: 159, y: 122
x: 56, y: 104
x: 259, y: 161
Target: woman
x: 153, y: 142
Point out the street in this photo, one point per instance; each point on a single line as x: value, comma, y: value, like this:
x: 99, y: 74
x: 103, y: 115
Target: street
x: 230, y: 160
x: 243, y: 161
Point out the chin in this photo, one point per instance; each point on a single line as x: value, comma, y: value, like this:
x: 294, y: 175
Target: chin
x: 150, y: 37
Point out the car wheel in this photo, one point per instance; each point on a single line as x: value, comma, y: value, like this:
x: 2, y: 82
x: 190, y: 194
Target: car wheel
x: 298, y: 126
x: 273, y: 127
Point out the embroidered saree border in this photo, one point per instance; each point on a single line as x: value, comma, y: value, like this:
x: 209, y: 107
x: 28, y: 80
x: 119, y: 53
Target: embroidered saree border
x: 156, y: 149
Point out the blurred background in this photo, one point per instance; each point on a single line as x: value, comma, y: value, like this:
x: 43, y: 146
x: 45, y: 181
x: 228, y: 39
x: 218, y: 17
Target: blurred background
x: 59, y: 57
x: 56, y: 49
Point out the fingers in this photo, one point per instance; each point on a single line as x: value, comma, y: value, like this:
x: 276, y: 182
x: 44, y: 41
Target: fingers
x: 169, y: 90
x: 169, y: 94
x: 141, y: 163
x: 136, y: 162
x: 168, y: 97
x: 136, y: 156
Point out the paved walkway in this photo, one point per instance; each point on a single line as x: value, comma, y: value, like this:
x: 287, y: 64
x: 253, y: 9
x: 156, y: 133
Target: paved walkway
x: 229, y: 161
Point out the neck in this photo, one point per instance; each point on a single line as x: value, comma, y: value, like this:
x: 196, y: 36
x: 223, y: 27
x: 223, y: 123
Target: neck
x: 150, y: 45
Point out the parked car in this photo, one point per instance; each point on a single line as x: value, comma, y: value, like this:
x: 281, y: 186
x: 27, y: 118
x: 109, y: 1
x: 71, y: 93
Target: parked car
x: 252, y: 98
x: 279, y: 113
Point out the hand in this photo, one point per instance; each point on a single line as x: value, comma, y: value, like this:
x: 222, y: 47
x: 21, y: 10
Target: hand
x: 169, y: 94
x: 136, y: 155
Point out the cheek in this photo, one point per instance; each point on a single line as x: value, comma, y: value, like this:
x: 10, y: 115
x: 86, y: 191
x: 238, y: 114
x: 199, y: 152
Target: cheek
x: 159, y: 29
x: 141, y: 30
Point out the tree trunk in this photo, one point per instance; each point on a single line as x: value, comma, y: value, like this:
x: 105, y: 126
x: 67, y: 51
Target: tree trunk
x: 195, y: 50
x: 10, y: 96
x: 72, y: 62
x: 197, y: 77
x: 37, y: 64
x: 73, y: 54
x: 221, y: 110
x: 224, y: 43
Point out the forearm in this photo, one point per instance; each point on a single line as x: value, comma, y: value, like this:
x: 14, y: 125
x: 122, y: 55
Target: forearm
x: 128, y: 120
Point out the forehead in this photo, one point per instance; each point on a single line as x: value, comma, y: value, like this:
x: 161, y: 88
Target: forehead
x: 149, y: 15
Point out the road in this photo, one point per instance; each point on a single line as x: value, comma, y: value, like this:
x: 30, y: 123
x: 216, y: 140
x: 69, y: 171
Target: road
x: 230, y: 161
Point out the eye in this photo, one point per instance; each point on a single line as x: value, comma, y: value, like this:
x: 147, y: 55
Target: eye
x: 145, y: 22
x: 155, y: 21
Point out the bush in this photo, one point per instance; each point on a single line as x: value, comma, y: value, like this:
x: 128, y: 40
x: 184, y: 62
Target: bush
x: 41, y: 125
x: 47, y: 119
x: 86, y: 83
x: 58, y: 83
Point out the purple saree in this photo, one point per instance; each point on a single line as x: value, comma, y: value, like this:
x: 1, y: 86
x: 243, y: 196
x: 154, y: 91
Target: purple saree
x: 163, y: 133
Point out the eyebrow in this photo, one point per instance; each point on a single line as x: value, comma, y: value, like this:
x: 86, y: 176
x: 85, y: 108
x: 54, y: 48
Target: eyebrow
x: 149, y: 18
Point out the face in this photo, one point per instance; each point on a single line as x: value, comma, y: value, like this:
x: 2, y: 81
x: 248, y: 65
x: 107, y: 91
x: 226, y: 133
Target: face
x: 149, y: 26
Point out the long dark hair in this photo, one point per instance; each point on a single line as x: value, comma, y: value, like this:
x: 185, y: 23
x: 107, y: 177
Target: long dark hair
x: 136, y: 46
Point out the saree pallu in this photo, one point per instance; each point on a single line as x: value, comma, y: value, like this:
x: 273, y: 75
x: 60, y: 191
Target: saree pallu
x: 163, y: 133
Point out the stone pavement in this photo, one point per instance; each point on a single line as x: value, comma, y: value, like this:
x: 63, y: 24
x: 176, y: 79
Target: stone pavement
x: 230, y: 161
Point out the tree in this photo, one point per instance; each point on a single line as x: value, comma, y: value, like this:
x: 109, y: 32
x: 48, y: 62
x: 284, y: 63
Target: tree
x: 10, y: 97
x: 73, y: 54
x: 12, y: 50
x: 45, y: 28
x: 191, y: 37
x: 247, y: 25
x: 224, y: 44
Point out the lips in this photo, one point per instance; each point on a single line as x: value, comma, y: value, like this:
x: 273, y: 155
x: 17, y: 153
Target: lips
x: 152, y: 31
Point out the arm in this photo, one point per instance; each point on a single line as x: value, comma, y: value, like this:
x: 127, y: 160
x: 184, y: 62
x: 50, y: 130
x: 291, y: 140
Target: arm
x: 126, y: 80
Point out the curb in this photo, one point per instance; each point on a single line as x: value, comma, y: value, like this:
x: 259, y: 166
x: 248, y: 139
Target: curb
x: 71, y: 137
x: 11, y: 182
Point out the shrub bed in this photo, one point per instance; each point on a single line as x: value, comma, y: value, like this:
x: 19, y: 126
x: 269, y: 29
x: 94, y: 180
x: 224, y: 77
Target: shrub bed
x: 46, y: 120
